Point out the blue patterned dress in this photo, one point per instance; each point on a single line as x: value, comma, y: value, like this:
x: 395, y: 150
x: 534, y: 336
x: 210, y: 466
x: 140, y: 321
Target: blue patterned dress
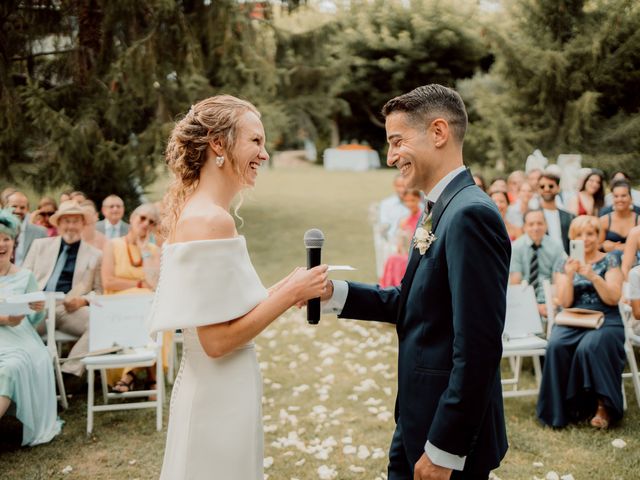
x: 582, y: 365
x: 26, y: 369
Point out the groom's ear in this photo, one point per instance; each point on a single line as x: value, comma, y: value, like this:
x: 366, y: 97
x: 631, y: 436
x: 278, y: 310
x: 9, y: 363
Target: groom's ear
x: 439, y: 131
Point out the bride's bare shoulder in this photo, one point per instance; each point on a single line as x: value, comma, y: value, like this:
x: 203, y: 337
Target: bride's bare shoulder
x: 199, y: 224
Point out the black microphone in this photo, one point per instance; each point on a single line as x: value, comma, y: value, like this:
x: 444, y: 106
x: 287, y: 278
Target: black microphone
x: 313, y: 240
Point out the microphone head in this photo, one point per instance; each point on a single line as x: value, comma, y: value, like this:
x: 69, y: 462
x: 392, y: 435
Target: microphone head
x: 313, y: 238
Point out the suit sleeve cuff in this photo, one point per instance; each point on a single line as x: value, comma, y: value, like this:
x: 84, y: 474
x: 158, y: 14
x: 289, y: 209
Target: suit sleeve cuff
x: 442, y: 458
x: 336, y: 303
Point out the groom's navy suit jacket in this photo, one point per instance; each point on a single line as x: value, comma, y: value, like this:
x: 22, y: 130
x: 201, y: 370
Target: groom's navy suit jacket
x: 449, y: 314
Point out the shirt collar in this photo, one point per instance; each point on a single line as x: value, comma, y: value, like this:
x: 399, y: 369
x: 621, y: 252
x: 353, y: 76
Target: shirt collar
x: 436, y: 191
x: 529, y: 242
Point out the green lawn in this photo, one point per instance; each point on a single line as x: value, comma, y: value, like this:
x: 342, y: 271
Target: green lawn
x: 328, y: 390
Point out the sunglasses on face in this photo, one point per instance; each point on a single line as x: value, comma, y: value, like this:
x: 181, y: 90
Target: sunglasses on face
x: 144, y: 218
x: 47, y: 214
x: 546, y: 187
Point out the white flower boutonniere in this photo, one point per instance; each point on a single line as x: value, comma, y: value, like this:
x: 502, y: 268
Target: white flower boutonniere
x: 424, y: 237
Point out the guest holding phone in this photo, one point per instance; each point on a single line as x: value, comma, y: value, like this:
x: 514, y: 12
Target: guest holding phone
x: 583, y: 367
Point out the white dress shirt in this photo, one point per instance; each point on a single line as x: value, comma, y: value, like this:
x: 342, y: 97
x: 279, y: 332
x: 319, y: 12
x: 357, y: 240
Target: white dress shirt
x: 554, y: 228
x: 336, y: 303
x: 112, y: 231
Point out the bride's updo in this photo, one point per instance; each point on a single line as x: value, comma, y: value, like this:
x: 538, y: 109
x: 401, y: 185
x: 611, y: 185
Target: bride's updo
x: 210, y: 119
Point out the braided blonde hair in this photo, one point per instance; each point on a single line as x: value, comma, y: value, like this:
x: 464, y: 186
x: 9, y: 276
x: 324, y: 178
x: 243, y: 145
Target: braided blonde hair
x: 214, y: 118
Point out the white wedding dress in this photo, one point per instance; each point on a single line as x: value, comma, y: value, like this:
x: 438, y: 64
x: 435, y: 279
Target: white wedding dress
x: 215, y: 418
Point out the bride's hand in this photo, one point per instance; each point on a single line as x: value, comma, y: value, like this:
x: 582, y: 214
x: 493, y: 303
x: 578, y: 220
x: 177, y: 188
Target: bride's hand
x: 306, y: 284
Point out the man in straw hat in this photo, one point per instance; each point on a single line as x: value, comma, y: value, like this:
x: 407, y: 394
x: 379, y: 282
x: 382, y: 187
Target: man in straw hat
x: 67, y: 264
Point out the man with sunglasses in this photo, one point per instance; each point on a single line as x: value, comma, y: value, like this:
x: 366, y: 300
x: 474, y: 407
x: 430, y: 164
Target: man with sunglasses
x: 113, y: 210
x: 558, y: 220
x: 67, y: 264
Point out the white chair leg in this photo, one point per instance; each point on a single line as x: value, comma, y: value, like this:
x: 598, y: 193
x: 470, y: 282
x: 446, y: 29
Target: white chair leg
x: 105, y: 387
x: 60, y: 381
x: 537, y: 370
x: 516, y: 372
x: 90, y: 399
x: 624, y: 397
x: 159, y: 390
x: 635, y: 375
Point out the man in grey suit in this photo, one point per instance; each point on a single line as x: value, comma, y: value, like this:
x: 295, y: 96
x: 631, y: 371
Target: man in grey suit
x: 113, y: 210
x: 28, y: 231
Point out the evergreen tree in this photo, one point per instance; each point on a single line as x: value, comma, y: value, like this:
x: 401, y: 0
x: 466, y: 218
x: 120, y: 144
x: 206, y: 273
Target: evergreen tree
x: 564, y: 81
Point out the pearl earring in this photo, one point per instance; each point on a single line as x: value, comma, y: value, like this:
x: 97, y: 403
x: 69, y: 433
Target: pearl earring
x: 219, y: 161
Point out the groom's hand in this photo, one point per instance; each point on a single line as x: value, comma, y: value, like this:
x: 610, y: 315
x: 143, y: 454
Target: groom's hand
x: 325, y: 296
x: 425, y: 470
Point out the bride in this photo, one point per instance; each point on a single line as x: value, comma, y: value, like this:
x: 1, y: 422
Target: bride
x: 209, y: 288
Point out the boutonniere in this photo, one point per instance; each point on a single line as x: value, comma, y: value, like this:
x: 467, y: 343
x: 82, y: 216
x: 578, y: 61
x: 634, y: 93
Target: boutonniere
x: 424, y: 237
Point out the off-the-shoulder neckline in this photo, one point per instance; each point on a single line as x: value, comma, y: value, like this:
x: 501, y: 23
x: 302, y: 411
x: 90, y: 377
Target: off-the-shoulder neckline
x: 213, y: 240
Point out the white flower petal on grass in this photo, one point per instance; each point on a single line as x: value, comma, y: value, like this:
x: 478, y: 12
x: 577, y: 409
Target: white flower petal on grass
x: 327, y: 473
x: 568, y: 476
x: 267, y: 462
x: 347, y: 440
x: 67, y: 469
x: 353, y: 397
x: 538, y: 464
x: 132, y: 462
x: 378, y: 453
x: 619, y: 443
x: 300, y: 462
x: 363, y: 452
x: 384, y: 416
x: 552, y: 476
x: 372, y: 401
x: 355, y: 469
x: 387, y: 390
x: 349, y: 450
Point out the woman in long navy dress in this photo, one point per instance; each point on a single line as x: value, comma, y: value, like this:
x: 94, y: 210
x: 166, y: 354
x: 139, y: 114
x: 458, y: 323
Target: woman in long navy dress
x: 583, y: 367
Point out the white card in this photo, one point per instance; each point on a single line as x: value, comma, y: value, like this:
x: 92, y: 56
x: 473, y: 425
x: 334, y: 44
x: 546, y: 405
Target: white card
x: 333, y: 268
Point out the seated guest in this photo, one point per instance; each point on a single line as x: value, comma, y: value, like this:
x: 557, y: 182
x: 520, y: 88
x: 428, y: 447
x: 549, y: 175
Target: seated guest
x: 533, y: 177
x: 523, y: 203
x: 617, y: 176
x: 514, y: 181
x: 4, y: 196
x: 411, y: 200
x: 392, y: 209
x: 616, y: 225
x: 77, y: 196
x: 396, y: 263
x: 590, y: 198
x: 47, y: 206
x: 26, y: 370
x: 65, y: 196
x: 498, y: 184
x: 634, y: 297
x: 130, y: 266
x: 558, y: 220
x: 631, y: 255
x: 28, y: 231
x: 69, y: 265
x: 534, y: 255
x: 583, y: 367
x: 501, y: 199
x: 113, y: 210
x: 89, y: 234
x: 479, y: 181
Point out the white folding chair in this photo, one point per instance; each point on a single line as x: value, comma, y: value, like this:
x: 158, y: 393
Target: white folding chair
x: 549, y: 294
x: 118, y: 320
x: 521, y: 338
x: 174, y: 359
x: 52, y: 344
x: 631, y: 340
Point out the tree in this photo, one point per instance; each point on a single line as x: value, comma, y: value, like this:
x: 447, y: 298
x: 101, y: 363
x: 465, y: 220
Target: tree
x: 387, y: 49
x: 564, y: 81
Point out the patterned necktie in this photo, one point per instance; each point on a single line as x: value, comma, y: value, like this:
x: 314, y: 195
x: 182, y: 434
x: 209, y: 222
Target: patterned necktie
x: 534, y: 281
x: 57, y: 270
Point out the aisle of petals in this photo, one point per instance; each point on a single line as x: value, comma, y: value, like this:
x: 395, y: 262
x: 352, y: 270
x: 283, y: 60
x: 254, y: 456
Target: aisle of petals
x: 328, y: 398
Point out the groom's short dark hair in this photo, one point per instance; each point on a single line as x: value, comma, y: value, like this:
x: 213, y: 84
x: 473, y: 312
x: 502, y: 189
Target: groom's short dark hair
x: 425, y: 104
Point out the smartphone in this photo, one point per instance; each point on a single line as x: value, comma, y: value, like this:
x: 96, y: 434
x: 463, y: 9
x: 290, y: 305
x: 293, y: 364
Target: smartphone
x: 576, y: 250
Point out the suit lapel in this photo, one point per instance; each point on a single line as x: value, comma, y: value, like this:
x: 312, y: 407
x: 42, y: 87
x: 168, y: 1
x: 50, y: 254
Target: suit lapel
x: 81, y: 265
x: 460, y: 181
x: 51, y: 257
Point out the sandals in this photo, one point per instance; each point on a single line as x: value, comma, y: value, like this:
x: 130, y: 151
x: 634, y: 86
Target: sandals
x: 601, y: 419
x: 123, y: 386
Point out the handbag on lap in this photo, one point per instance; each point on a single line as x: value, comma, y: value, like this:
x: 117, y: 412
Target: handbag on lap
x: 580, y: 318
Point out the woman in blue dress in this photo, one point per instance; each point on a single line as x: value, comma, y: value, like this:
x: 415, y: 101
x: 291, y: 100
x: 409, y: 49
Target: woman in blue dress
x: 27, y: 387
x: 583, y: 367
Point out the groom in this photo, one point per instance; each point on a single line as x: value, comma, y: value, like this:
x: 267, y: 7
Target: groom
x: 449, y: 311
